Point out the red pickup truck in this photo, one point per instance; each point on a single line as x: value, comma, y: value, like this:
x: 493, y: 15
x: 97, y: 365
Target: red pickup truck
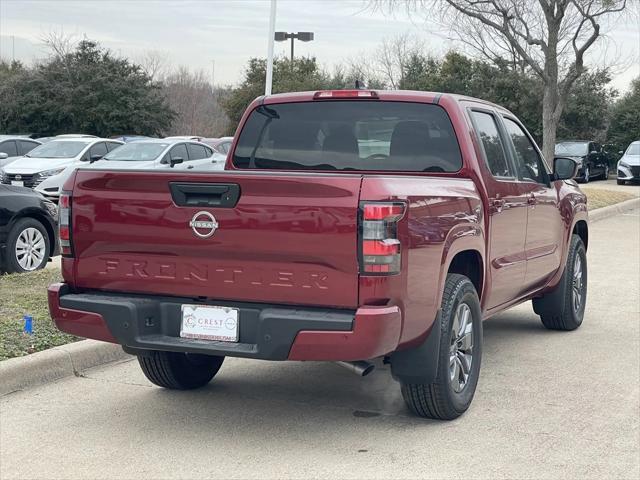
x: 347, y: 226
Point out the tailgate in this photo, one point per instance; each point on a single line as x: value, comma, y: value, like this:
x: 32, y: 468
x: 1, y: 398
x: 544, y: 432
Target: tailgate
x: 280, y: 238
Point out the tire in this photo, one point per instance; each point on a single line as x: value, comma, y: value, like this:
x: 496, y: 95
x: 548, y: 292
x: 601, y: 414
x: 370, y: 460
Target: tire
x: 28, y: 246
x: 448, y: 398
x: 557, y: 309
x: 585, y: 175
x: 620, y: 182
x: 179, y: 371
x: 605, y: 175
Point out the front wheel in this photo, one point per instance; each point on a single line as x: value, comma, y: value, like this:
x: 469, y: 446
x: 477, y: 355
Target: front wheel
x: 605, y: 175
x: 620, y: 182
x: 179, y: 371
x: 563, y: 307
x: 460, y: 353
x: 586, y: 175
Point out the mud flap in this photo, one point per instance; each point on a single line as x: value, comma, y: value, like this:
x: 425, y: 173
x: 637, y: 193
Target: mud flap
x: 548, y: 303
x: 419, y: 365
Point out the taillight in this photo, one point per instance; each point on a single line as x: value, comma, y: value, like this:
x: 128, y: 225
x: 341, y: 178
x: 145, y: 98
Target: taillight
x: 379, y: 243
x: 64, y: 224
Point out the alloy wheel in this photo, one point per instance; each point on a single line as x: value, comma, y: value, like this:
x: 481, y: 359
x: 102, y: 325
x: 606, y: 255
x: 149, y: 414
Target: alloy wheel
x: 461, y: 348
x: 577, y: 284
x: 30, y: 249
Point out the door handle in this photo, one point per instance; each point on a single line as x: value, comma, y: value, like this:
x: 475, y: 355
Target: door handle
x: 223, y: 195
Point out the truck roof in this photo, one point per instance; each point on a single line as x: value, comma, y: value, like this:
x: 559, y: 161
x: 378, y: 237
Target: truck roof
x: 390, y: 95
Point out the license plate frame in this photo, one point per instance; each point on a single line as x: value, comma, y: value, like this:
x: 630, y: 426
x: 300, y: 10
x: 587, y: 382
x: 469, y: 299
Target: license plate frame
x: 210, y: 322
x: 17, y: 183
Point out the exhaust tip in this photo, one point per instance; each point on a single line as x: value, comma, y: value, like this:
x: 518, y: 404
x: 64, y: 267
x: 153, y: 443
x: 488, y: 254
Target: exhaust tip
x: 368, y: 369
x: 360, y: 368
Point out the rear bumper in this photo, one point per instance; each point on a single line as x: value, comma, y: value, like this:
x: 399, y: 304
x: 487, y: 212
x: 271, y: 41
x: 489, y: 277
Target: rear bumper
x: 270, y: 332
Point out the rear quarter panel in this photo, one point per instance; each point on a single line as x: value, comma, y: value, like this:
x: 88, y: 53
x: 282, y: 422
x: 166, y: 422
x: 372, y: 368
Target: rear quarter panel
x: 444, y: 216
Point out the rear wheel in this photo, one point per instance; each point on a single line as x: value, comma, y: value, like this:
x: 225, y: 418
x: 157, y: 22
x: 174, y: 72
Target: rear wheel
x: 460, y: 353
x: 179, y: 371
x: 28, y: 246
x: 563, y: 307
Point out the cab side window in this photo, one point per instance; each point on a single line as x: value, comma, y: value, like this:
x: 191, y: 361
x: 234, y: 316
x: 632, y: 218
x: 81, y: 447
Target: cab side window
x: 528, y: 162
x: 494, y: 151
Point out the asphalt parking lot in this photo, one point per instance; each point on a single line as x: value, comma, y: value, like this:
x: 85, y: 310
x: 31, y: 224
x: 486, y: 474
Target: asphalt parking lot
x: 548, y: 405
x: 611, y: 184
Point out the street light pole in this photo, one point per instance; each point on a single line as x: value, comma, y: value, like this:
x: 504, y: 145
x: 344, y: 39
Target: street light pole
x: 272, y: 29
x: 302, y: 36
x: 292, y: 40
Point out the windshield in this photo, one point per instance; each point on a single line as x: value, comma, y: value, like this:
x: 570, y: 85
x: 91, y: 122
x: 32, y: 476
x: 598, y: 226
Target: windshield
x: 634, y: 149
x: 349, y: 135
x: 573, y: 149
x: 137, y: 152
x: 57, y: 150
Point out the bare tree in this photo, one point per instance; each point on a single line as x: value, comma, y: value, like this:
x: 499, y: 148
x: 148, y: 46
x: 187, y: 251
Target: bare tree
x: 154, y: 63
x: 58, y: 43
x: 385, y: 68
x: 394, y: 55
x: 550, y: 37
x: 197, y: 107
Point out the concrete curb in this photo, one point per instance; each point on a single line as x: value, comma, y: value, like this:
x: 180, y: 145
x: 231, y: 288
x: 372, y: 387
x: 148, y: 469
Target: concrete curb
x: 67, y: 360
x: 56, y: 363
x: 611, y: 210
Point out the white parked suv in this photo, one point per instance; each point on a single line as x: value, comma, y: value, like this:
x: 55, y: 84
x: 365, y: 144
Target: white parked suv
x: 52, y: 158
x: 629, y: 164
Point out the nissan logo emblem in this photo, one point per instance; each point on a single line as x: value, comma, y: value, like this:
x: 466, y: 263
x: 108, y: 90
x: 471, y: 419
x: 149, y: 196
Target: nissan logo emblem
x: 203, y: 224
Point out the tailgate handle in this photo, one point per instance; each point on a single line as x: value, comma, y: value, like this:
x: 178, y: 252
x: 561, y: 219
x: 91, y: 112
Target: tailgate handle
x: 223, y: 195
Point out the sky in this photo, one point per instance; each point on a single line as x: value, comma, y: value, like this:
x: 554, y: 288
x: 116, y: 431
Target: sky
x: 219, y: 36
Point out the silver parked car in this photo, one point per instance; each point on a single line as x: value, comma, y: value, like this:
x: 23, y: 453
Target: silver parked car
x: 141, y: 154
x: 157, y: 153
x: 15, y: 146
x: 629, y: 164
x: 51, y: 158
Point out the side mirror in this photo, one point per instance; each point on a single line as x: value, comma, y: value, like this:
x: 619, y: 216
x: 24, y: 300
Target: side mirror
x: 4, y: 156
x: 620, y: 152
x: 564, y: 168
x: 175, y: 161
x: 95, y: 158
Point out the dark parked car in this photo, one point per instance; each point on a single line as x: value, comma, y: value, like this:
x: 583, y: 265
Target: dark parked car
x: 593, y: 161
x: 28, y: 228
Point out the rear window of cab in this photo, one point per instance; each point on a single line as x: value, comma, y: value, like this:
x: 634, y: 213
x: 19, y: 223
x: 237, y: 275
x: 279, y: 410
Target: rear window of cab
x: 349, y: 135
